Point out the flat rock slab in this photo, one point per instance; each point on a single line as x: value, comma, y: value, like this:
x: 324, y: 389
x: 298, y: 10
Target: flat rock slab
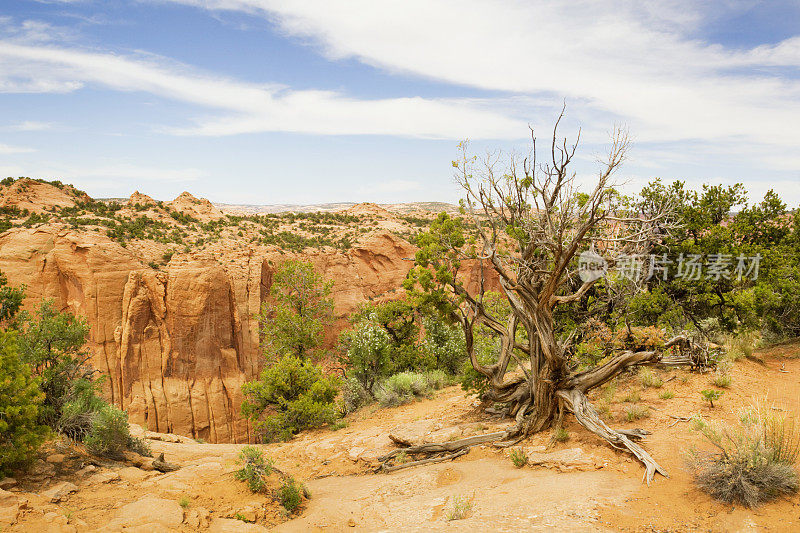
x: 148, y: 512
x: 60, y: 492
x: 570, y: 459
x: 9, y: 508
x: 230, y: 525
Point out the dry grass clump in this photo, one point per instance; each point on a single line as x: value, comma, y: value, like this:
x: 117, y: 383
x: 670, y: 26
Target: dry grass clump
x: 636, y: 412
x: 460, y: 509
x: 755, y: 459
x: 650, y: 379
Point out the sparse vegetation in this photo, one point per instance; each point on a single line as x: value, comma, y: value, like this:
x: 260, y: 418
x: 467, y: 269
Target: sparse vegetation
x: 518, y: 457
x: 636, y: 412
x: 722, y: 380
x: 254, y: 468
x: 711, y: 396
x: 666, y: 395
x: 290, y: 494
x: 459, y: 509
x: 755, y: 459
x: 560, y: 435
x: 648, y: 378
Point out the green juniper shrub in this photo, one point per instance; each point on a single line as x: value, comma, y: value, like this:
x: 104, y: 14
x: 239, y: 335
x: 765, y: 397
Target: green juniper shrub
x: 53, y: 344
x: 290, y: 494
x: 711, y: 395
x: 21, y: 433
x: 290, y: 396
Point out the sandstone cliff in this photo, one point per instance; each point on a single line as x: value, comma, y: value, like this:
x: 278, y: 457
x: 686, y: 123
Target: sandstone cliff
x: 177, y: 343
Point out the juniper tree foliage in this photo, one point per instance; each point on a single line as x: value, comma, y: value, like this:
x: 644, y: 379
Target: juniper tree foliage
x: 294, y: 322
x: 20, y: 397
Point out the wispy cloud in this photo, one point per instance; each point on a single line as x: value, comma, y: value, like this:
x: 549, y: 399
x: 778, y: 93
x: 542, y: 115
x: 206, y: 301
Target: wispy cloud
x: 29, y: 125
x: 6, y: 149
x: 633, y: 61
x: 249, y: 107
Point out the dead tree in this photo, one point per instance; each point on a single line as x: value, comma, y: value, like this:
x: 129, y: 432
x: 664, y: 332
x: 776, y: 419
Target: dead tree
x: 530, y: 223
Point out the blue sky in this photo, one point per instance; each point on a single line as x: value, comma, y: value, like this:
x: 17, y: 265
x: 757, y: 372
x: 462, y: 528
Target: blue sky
x: 309, y: 101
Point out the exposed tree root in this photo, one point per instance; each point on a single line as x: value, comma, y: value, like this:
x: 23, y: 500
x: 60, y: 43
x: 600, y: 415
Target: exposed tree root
x: 577, y: 402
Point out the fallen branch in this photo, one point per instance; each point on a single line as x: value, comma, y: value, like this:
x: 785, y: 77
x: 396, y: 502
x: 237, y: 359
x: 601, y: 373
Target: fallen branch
x: 441, y: 451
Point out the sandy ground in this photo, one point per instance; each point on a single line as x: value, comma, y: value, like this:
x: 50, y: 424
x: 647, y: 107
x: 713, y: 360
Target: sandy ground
x: 605, y: 494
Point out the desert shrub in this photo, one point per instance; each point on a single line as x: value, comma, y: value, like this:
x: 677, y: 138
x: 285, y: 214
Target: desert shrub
x: 110, y: 434
x: 741, y: 345
x: 254, y: 468
x: 722, y: 380
x: 636, y: 412
x: 291, y: 396
x: 444, y: 345
x: 648, y: 378
x: 52, y: 343
x: 666, y: 395
x: 354, y: 396
x: 140, y: 446
x: 406, y: 387
x: 367, y: 353
x: 711, y: 396
x: 290, y: 494
x: 460, y: 508
x: 20, y: 401
x: 754, y: 461
x: 632, y: 397
x: 79, y: 409
x: 518, y: 457
x: 560, y: 435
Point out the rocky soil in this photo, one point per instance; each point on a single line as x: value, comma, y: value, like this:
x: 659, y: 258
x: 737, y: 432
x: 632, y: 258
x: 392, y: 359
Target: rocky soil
x: 578, y: 485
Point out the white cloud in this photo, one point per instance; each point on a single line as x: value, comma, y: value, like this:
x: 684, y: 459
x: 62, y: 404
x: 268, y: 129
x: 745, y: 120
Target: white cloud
x: 6, y: 149
x: 251, y: 107
x: 29, y: 125
x: 633, y: 61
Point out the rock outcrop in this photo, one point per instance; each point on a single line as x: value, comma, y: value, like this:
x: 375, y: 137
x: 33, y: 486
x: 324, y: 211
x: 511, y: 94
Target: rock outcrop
x: 39, y: 196
x: 199, y: 208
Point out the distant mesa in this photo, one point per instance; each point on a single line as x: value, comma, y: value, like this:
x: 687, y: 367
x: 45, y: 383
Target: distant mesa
x: 199, y: 208
x: 39, y: 196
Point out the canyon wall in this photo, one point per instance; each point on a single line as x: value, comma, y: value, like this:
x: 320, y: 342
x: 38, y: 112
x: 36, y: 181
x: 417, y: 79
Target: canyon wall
x: 176, y: 344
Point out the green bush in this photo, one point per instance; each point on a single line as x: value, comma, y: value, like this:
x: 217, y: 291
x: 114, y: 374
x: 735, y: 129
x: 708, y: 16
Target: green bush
x: 20, y: 401
x: 406, y: 387
x: 519, y: 458
x: 255, y: 468
x: 110, y: 434
x: 290, y: 494
x: 291, y: 396
x: 53, y: 344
